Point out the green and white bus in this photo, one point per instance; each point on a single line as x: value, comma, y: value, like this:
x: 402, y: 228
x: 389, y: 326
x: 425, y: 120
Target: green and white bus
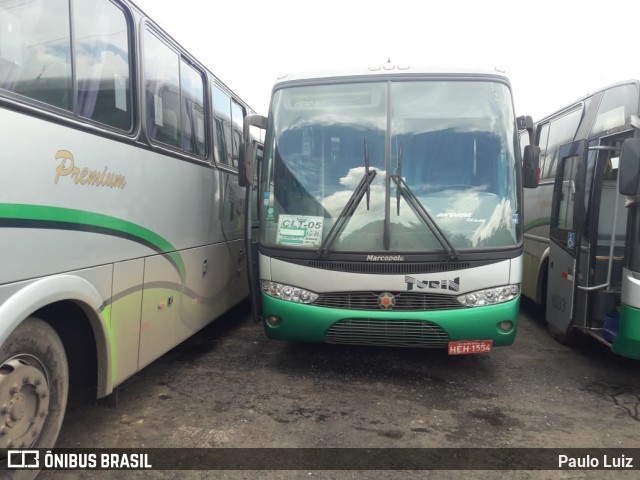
x: 581, y: 230
x: 389, y: 209
x: 121, y: 217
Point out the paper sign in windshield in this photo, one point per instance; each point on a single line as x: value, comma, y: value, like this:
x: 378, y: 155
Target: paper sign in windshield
x: 299, y: 230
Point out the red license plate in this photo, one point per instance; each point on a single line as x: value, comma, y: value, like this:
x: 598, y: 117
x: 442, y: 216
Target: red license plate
x: 466, y: 347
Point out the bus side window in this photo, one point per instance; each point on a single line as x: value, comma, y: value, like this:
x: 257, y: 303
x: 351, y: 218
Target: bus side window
x: 168, y: 123
x: 222, y: 116
x: 36, y: 61
x: 192, y: 93
x: 162, y: 80
x: 562, y: 130
x: 543, y: 138
x: 237, y: 120
x: 550, y: 164
x: 101, y: 40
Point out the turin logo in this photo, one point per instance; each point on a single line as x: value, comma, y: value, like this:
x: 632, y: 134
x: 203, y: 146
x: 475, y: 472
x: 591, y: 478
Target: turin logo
x: 451, y: 285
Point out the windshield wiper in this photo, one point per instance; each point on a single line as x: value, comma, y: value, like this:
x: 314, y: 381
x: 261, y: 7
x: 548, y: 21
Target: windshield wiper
x: 402, y: 189
x: 349, y: 209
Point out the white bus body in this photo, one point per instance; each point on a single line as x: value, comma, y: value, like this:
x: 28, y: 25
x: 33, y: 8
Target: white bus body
x: 121, y: 217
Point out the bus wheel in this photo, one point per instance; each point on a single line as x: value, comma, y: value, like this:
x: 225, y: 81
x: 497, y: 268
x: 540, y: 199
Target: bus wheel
x: 34, y: 384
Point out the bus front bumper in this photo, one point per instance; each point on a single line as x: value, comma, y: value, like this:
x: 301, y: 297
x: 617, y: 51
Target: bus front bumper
x: 307, y: 323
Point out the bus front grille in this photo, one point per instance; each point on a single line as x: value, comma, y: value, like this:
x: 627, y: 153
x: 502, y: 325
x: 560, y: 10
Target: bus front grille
x: 387, y: 333
x: 404, y: 301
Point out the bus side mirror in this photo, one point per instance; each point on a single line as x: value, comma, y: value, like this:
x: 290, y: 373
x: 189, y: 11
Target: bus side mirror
x: 629, y: 169
x: 525, y: 122
x: 531, y: 166
x: 248, y: 149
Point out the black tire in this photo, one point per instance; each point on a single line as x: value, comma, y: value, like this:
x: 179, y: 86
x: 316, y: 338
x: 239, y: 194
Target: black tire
x: 34, y: 386
x: 570, y: 338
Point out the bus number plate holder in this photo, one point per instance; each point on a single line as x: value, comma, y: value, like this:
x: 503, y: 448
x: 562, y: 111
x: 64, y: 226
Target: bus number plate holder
x: 466, y: 347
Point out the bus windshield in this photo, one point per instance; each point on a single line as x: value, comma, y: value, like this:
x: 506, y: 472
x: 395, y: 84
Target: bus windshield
x: 444, y: 147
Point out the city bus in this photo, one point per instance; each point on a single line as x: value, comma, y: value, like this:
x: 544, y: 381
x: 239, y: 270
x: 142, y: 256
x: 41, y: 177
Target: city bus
x: 580, y: 249
x: 389, y: 209
x: 121, y: 217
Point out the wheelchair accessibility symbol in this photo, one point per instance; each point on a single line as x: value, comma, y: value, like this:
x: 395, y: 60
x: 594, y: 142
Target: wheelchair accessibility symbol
x: 571, y: 240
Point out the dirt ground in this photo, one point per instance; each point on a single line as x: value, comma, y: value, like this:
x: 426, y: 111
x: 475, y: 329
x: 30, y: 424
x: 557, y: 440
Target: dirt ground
x: 230, y: 386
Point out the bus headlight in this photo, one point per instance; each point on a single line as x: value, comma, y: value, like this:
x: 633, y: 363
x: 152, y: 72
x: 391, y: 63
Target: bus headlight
x: 287, y: 292
x: 489, y: 296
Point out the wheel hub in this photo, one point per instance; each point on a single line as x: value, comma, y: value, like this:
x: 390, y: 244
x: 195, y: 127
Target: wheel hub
x: 24, y: 401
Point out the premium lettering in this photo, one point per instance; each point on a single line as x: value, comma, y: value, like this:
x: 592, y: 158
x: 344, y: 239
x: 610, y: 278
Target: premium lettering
x: 86, y: 176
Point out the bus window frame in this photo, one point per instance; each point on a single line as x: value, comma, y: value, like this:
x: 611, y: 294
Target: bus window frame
x: 228, y: 166
x: 552, y: 149
x: 70, y: 117
x: 148, y: 26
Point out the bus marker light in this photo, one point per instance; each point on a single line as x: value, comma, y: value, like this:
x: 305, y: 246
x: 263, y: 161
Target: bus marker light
x: 465, y: 347
x: 274, y: 320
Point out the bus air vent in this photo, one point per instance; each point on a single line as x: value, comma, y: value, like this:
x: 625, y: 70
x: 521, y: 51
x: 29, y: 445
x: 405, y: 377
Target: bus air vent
x: 388, y: 333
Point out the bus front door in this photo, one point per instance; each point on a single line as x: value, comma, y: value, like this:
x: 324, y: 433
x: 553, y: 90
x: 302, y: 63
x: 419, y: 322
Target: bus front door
x: 252, y: 236
x: 568, y: 213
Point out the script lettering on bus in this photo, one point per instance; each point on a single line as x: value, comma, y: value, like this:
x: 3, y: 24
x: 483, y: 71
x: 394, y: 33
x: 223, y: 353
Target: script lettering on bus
x: 86, y: 176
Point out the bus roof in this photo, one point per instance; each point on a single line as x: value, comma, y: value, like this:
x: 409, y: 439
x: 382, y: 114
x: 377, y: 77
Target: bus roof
x: 386, y: 69
x: 600, y: 88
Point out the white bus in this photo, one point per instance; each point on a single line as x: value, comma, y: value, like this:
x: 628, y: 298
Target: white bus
x: 580, y: 261
x: 389, y: 209
x: 121, y: 218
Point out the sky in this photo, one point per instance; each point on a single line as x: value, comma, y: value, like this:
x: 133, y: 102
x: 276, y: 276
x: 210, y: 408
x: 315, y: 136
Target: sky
x: 553, y: 51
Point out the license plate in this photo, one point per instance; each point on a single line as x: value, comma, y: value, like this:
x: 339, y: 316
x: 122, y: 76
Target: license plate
x: 466, y: 347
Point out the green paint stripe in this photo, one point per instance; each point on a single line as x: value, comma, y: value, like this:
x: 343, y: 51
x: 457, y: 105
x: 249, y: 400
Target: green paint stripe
x: 538, y: 222
x: 72, y: 219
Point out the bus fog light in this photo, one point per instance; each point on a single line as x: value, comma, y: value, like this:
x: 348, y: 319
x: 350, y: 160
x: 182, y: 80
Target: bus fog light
x: 506, y: 325
x: 274, y: 320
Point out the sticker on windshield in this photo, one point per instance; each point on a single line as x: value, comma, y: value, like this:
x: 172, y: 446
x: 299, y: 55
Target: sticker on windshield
x: 299, y: 230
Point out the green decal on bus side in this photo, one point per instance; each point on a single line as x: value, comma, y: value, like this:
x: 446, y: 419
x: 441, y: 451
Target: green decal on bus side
x: 538, y: 222
x: 48, y: 217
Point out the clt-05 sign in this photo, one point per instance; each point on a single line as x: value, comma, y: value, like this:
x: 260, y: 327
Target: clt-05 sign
x: 299, y: 230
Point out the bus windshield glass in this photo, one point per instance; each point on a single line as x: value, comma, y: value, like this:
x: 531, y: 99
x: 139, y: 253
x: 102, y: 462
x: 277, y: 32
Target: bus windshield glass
x: 446, y: 147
